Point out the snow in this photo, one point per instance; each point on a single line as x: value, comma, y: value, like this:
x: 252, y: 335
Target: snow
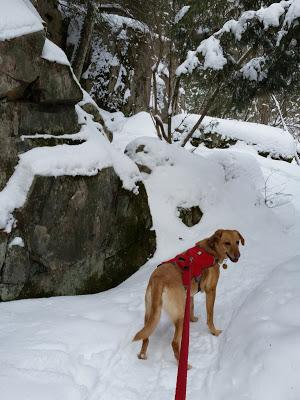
x: 52, y: 52
x: 181, y: 13
x: 17, y: 241
x: 189, y: 64
x: 127, y: 128
x: 270, y: 15
x: 263, y: 138
x: 117, y: 22
x: 264, y: 340
x: 211, y: 49
x: 85, y: 159
x: 213, y: 53
x: 79, y: 348
x: 253, y: 69
x: 17, y: 18
x: 292, y: 14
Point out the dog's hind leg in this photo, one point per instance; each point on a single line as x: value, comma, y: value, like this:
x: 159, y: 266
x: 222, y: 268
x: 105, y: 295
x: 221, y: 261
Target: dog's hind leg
x: 153, y: 304
x: 143, y: 353
x: 177, y: 338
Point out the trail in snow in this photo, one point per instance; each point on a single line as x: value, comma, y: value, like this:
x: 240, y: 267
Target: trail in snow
x: 79, y: 348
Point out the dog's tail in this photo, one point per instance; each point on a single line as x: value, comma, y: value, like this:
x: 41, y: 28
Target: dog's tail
x: 153, y: 303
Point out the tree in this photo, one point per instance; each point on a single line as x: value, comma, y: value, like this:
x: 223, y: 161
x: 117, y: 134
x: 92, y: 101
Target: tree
x: 257, y: 51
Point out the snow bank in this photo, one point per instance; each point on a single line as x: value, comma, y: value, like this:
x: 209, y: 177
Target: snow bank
x: 263, y: 138
x: 17, y: 18
x: 85, y: 159
x: 212, y: 180
x: 260, y: 353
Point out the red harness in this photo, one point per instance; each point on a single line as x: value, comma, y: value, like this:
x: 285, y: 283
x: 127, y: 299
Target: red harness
x: 193, y: 262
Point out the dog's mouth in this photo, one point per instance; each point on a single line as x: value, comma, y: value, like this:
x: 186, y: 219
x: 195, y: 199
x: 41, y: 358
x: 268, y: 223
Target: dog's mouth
x: 233, y: 259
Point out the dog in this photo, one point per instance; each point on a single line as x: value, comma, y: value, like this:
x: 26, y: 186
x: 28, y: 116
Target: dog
x: 166, y: 291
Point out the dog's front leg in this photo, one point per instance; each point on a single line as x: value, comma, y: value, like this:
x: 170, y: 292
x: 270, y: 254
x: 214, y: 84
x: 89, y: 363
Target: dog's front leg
x: 210, y: 302
x: 192, y: 314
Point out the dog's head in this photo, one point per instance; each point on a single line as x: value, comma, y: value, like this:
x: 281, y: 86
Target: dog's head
x: 226, y: 244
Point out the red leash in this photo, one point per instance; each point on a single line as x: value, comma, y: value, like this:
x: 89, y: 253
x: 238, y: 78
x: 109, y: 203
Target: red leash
x: 184, y: 348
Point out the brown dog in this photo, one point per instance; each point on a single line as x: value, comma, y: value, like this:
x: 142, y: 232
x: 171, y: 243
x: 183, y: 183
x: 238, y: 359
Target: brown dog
x: 165, y: 289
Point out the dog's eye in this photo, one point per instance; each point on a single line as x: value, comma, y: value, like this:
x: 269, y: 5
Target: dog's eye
x: 227, y: 243
x: 237, y: 242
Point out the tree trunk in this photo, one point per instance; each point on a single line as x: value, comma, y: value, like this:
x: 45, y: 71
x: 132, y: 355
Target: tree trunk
x: 203, y: 114
x: 85, y: 40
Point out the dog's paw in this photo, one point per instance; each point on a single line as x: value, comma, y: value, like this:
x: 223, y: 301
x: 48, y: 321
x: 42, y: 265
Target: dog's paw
x: 216, y: 332
x: 194, y: 319
x: 142, y: 356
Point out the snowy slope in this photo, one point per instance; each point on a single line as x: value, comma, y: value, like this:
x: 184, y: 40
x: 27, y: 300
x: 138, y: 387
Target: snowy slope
x: 79, y: 348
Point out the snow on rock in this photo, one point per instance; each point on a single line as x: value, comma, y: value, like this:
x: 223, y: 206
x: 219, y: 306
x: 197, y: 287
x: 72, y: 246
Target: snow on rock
x: 260, y: 357
x: 263, y: 138
x: 87, y: 159
x: 17, y: 18
x: 52, y: 52
x: 128, y: 128
x: 17, y: 241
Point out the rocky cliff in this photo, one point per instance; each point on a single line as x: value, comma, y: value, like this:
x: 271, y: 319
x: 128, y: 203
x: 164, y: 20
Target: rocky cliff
x: 67, y: 226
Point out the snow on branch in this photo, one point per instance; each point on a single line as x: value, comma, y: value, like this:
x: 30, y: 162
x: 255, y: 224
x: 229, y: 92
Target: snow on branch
x: 211, y: 48
x: 181, y: 13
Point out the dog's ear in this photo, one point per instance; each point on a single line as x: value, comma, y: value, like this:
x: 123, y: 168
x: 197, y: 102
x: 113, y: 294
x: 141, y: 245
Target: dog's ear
x: 214, y: 239
x: 241, y: 237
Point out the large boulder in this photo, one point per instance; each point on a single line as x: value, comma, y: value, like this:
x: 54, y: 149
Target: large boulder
x: 78, y: 235
x: 37, y: 96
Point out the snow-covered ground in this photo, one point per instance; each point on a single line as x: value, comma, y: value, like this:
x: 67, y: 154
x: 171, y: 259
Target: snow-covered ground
x: 79, y: 348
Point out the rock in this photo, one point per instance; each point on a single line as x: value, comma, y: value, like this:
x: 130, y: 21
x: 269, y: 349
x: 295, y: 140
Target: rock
x: 139, y: 154
x: 47, y: 119
x: 213, y: 140
x: 8, y: 159
x: 27, y: 118
x: 56, y: 84
x: 27, y: 76
x: 18, y: 62
x: 56, y: 28
x: 122, y: 80
x: 78, y: 237
x: 190, y: 216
